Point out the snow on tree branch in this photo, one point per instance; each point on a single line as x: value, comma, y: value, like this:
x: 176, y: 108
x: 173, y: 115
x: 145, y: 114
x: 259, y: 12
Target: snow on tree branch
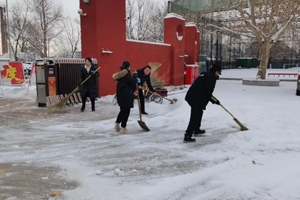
x: 242, y: 12
x: 282, y: 29
x: 231, y: 31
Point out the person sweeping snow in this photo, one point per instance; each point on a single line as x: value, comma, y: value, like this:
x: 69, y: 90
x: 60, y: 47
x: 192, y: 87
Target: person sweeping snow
x: 89, y: 88
x: 144, y: 75
x: 198, y: 96
x: 126, y: 87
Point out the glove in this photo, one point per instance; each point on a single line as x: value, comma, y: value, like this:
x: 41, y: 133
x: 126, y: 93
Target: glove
x: 214, y: 100
x: 92, y: 73
x: 138, y: 80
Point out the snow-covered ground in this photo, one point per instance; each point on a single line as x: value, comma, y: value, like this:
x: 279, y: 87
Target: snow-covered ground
x: 97, y: 163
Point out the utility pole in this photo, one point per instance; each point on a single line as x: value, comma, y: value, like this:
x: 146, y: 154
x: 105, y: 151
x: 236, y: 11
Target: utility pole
x: 7, y: 30
x: 3, y: 35
x: 230, y: 50
x: 221, y: 52
x: 217, y: 47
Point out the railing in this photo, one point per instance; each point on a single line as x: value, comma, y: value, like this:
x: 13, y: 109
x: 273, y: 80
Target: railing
x: 282, y: 74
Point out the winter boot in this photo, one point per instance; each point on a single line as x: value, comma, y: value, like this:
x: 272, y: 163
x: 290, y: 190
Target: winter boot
x: 93, y: 107
x: 82, y: 108
x: 124, y: 131
x: 199, y: 132
x: 188, y: 138
x: 117, y: 127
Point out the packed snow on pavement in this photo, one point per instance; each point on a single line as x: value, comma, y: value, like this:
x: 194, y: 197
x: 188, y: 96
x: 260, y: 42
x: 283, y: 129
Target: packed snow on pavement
x: 81, y: 156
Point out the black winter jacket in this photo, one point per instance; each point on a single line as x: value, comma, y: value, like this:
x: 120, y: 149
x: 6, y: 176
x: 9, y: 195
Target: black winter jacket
x: 91, y: 85
x: 140, y: 74
x: 200, y: 92
x: 125, y: 90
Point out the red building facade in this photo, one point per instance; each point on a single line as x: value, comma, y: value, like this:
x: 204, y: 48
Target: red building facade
x: 103, y: 36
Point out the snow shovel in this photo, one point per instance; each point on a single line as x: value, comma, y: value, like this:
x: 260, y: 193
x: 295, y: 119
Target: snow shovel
x: 243, y: 128
x: 141, y: 123
x: 63, y: 102
x: 171, y: 101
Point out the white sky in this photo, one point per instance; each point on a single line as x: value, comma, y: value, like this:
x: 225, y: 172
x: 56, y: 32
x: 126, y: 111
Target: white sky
x: 70, y: 6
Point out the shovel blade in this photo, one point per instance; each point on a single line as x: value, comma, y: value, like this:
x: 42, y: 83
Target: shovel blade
x: 143, y: 125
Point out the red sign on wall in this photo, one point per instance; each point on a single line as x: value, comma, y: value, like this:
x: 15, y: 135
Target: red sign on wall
x: 13, y: 72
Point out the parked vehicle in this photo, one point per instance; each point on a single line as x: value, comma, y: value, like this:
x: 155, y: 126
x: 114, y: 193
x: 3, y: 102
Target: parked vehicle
x: 27, y: 69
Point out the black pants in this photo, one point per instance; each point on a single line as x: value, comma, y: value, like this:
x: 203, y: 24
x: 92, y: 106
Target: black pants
x: 195, y: 121
x: 84, y: 101
x: 142, y: 100
x: 123, y: 116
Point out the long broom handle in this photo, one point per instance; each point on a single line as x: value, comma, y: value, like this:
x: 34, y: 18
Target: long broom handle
x: 243, y: 128
x: 89, y: 76
x: 138, y: 96
x: 77, y: 88
x: 159, y: 95
x: 227, y: 110
x: 213, y: 98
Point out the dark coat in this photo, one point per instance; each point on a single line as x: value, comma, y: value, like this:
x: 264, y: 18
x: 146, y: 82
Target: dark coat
x: 125, y: 90
x: 140, y: 74
x: 90, y: 87
x: 200, y: 92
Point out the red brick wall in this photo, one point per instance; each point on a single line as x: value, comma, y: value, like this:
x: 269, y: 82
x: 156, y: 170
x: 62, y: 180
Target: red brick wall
x: 172, y: 26
x: 88, y: 30
x: 141, y: 54
x: 192, y: 44
x: 104, y: 28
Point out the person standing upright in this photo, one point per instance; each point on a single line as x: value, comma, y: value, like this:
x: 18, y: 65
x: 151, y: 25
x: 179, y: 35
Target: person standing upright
x: 125, y: 96
x: 90, y: 87
x: 198, y: 96
x: 144, y: 76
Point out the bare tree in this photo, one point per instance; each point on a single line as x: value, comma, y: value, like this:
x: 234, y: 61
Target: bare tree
x: 144, y: 20
x: 156, y: 29
x: 46, y: 16
x: 68, y: 42
x: 266, y: 21
x: 145, y: 10
x: 138, y: 18
x: 130, y: 18
x: 19, y: 17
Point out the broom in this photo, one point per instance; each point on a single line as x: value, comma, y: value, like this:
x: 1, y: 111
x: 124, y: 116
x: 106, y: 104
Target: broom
x: 63, y: 102
x: 172, y: 101
x: 243, y: 128
x: 154, y: 66
x: 141, y: 122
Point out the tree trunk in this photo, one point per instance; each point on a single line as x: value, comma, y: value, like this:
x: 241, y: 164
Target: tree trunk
x: 264, y: 59
x: 44, y: 28
x: 16, y: 48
